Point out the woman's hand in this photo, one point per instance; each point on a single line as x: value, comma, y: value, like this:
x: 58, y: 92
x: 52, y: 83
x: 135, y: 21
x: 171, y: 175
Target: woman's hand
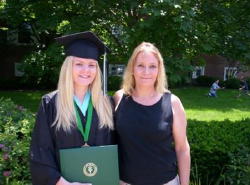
x: 62, y: 181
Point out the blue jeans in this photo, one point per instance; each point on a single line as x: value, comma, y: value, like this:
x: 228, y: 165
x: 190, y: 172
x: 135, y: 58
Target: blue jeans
x: 212, y: 94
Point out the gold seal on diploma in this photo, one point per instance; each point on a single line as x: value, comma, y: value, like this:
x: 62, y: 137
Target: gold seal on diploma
x: 90, y: 169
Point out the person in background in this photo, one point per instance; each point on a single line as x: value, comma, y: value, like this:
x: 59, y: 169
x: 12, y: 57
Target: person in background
x: 243, y: 90
x: 76, y: 114
x: 151, y: 124
x: 213, y: 90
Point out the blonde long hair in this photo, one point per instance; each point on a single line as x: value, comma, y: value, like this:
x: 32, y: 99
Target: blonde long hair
x: 66, y: 114
x: 128, y: 84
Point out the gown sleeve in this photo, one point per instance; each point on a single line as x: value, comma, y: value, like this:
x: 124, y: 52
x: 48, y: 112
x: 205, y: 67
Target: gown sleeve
x: 43, y: 165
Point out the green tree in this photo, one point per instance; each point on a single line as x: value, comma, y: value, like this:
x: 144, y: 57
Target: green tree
x: 180, y: 29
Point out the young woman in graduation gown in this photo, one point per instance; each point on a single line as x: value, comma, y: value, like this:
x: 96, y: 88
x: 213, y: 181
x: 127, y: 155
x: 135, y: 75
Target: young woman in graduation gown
x: 56, y: 124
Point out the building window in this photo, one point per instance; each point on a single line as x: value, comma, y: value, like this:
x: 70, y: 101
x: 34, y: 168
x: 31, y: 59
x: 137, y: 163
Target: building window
x: 25, y: 33
x: 21, y: 35
x: 230, y: 72
x: 116, y: 69
x: 18, y: 71
x: 12, y: 36
x: 198, y: 71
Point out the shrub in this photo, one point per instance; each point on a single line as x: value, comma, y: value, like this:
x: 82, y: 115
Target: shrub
x: 114, y: 83
x: 205, y: 80
x: 232, y: 83
x: 214, y: 145
x: 16, y: 124
x: 238, y: 170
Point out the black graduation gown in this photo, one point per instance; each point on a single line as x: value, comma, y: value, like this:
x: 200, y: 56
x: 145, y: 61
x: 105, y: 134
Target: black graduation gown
x: 46, y: 141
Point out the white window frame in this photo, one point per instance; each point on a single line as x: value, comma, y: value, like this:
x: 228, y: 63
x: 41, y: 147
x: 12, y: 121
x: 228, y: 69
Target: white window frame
x: 119, y: 69
x: 233, y: 71
x: 194, y: 73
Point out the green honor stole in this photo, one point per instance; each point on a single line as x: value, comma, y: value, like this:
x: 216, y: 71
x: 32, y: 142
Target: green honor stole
x: 84, y: 131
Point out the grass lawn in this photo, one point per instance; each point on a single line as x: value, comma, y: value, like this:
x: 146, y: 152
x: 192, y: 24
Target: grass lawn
x: 197, y: 105
x: 226, y: 106
x: 28, y: 99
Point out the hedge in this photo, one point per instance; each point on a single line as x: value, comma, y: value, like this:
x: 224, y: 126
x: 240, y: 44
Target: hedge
x: 205, y: 81
x: 214, y: 148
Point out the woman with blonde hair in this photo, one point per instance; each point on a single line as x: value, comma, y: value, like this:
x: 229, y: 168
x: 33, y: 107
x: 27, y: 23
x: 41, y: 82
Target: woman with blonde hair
x: 76, y: 114
x: 151, y: 124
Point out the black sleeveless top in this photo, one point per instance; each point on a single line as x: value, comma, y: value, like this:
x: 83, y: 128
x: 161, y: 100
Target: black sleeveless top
x: 145, y: 140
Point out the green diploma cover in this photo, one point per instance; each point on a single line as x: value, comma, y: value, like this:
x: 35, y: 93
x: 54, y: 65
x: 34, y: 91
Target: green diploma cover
x: 91, y: 164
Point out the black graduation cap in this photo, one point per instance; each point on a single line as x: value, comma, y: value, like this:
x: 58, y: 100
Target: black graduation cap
x: 86, y: 45
x: 83, y: 44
